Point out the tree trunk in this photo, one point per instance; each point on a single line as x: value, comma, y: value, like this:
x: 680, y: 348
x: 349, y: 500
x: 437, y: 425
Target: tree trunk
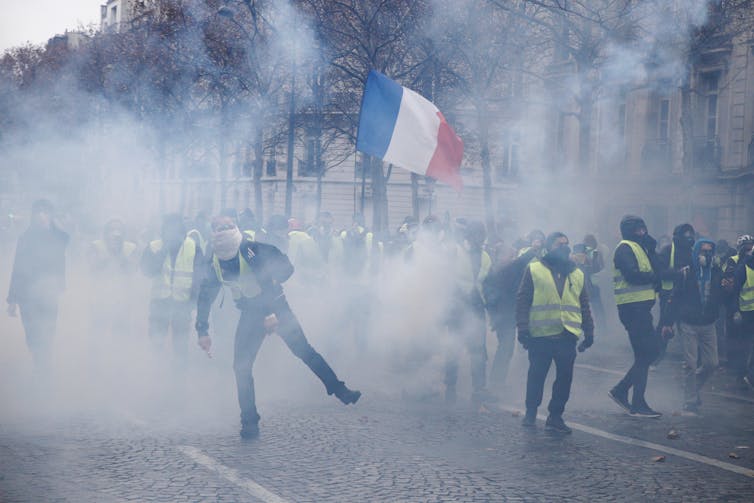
x: 484, y: 142
x: 585, y: 131
x: 258, y: 167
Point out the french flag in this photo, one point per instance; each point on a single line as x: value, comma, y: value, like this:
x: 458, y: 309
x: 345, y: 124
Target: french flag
x: 405, y: 129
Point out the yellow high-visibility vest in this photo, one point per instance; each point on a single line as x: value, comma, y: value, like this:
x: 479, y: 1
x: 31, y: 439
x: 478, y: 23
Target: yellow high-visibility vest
x: 250, y: 234
x: 667, y: 284
x: 551, y: 313
x: 175, y: 281
x: 465, y: 274
x: 245, y: 286
x: 626, y: 293
x: 746, y: 297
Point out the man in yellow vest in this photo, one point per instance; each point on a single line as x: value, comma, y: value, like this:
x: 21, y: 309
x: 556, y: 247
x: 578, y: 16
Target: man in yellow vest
x: 174, y: 264
x: 635, y: 285
x: 675, y: 263
x: 466, y: 317
x: 254, y: 273
x: 736, y: 343
x: 743, y: 316
x: 552, y: 315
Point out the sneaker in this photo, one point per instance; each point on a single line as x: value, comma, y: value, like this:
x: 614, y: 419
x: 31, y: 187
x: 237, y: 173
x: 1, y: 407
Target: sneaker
x: 249, y: 431
x: 557, y: 425
x: 530, y: 419
x: 645, y: 411
x: 620, y: 398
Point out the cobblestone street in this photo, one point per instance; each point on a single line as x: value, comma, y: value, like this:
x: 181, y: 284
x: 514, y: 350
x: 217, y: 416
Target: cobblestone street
x: 387, y: 449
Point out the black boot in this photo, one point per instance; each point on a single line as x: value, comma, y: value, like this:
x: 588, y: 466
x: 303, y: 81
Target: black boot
x: 249, y: 430
x: 345, y: 395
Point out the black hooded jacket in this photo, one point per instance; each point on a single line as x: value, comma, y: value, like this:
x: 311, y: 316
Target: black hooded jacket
x: 39, y: 266
x: 686, y: 305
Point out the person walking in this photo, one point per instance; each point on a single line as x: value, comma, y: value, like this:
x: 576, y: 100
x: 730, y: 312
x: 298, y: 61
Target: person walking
x: 694, y: 306
x: 38, y: 280
x: 635, y: 284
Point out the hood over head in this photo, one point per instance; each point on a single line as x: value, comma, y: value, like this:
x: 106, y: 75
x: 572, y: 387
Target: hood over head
x: 629, y: 224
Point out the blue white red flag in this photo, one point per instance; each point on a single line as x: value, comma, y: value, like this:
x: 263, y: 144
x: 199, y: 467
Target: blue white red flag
x: 403, y: 128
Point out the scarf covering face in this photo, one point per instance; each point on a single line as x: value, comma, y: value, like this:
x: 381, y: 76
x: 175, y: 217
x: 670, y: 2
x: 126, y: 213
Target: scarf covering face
x: 226, y: 243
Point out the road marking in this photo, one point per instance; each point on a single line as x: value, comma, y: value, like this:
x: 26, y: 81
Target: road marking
x: 231, y: 475
x: 619, y: 373
x: 600, y: 369
x: 651, y: 445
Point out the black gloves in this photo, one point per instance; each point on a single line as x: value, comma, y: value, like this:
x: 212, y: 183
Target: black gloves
x: 586, y: 343
x: 524, y: 338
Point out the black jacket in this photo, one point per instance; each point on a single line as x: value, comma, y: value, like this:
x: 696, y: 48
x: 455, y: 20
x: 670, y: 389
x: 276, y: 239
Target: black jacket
x: 270, y: 266
x: 685, y: 303
x: 39, y: 266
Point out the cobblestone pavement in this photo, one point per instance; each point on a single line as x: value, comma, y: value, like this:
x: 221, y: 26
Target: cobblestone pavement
x: 381, y: 450
x: 389, y: 447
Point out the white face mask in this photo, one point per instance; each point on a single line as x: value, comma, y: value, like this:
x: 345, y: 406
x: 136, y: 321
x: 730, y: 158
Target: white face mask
x: 225, y: 243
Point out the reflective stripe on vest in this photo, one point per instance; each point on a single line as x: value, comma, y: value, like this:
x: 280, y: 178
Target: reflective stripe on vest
x: 175, y: 281
x: 551, y: 313
x: 625, y: 293
x: 667, y: 284
x: 245, y: 286
x: 746, y: 297
x: 251, y: 234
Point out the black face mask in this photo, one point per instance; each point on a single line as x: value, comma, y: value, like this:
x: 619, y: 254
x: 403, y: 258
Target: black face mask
x: 561, y: 254
x: 687, y: 240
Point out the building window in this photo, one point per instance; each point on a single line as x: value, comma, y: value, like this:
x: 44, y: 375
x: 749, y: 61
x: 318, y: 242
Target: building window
x: 509, y: 165
x: 711, y: 116
x: 663, y: 120
x: 709, y: 87
x: 114, y: 14
x: 308, y: 165
x: 271, y: 168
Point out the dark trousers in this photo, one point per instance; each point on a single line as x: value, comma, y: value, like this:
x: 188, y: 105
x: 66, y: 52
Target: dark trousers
x: 740, y: 346
x: 542, y: 352
x: 39, y: 318
x: 169, y: 316
x: 646, y: 344
x: 249, y: 336
x: 467, y: 327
